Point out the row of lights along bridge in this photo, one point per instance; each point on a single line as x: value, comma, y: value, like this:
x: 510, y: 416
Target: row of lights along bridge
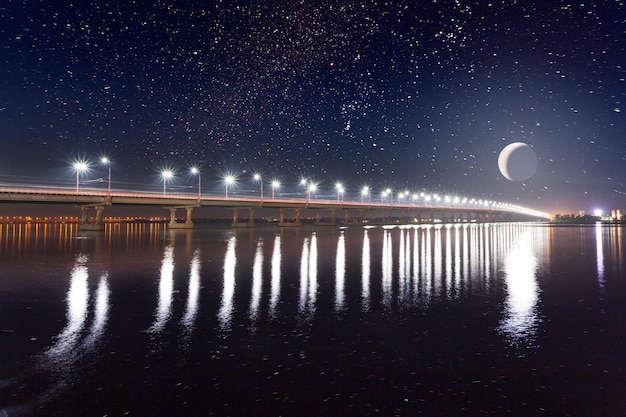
x: 310, y: 187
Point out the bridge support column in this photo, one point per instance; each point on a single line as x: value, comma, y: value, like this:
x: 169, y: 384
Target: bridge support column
x: 249, y: 224
x: 284, y: 223
x: 188, y: 222
x: 332, y: 221
x: 98, y: 225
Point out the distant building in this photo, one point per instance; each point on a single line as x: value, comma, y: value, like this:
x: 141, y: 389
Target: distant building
x: 581, y: 213
x: 616, y: 214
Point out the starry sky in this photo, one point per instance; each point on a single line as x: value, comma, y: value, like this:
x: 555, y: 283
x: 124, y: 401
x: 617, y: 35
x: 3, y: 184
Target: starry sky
x: 416, y: 95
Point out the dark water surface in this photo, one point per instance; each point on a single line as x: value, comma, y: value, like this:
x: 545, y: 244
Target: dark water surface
x: 451, y: 320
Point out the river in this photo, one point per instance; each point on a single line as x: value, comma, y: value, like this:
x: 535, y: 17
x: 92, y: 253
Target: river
x: 513, y: 319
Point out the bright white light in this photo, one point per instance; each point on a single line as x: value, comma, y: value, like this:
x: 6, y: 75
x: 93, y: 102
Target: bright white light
x: 597, y: 212
x: 167, y: 174
x: 80, y: 166
x: 275, y: 184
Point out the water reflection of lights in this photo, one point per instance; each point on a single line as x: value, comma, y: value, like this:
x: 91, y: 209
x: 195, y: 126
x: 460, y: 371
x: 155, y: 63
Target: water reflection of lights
x: 101, y: 311
x: 365, y: 273
x: 522, y: 291
x: 404, y: 266
x: 340, y: 272
x: 275, y: 283
x: 166, y: 290
x: 599, y: 255
x: 387, y: 268
x: 77, y: 309
x: 257, y: 281
x: 193, y: 292
x: 61, y: 358
x: 308, y: 276
x: 225, y: 313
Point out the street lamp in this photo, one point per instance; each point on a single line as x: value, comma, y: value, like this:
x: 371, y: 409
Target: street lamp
x: 311, y: 188
x: 79, y: 166
x: 106, y: 161
x: 275, y: 185
x: 365, y: 191
x: 196, y: 171
x: 388, y: 191
x: 228, y: 180
x: 167, y: 175
x: 339, y: 188
x: 257, y: 177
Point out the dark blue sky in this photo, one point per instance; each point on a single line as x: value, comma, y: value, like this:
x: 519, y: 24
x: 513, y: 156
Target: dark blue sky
x: 409, y: 95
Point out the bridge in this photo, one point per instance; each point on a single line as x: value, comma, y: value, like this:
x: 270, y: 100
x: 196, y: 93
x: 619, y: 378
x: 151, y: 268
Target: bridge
x: 289, y: 210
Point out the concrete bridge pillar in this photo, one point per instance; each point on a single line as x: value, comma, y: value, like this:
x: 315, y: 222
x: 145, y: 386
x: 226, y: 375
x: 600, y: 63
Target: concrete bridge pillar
x: 249, y: 224
x: 242, y: 224
x: 98, y: 225
x: 84, y: 218
x: 284, y: 223
x: 332, y: 222
x: 188, y: 222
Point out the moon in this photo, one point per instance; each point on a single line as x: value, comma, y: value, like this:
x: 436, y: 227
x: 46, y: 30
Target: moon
x: 517, y: 162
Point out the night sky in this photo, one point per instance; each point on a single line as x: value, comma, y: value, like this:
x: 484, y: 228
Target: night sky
x: 416, y: 95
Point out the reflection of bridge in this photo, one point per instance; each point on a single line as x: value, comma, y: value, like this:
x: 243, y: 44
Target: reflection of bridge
x: 452, y: 211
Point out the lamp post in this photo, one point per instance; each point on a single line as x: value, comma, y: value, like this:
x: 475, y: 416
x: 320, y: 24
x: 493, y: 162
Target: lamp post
x: 275, y: 185
x: 310, y: 188
x: 79, y: 167
x: 365, y: 191
x: 339, y: 188
x: 106, y: 161
x: 196, y: 171
x: 167, y: 175
x: 257, y: 177
x: 228, y: 180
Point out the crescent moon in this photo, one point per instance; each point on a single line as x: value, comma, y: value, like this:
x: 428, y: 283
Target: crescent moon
x: 517, y: 162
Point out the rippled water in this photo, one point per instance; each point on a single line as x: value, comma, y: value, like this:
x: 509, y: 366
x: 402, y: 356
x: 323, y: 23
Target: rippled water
x: 446, y: 320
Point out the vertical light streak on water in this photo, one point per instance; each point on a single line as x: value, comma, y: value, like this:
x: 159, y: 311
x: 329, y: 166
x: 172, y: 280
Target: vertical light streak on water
x: 340, y: 272
x: 450, y: 289
x: 475, y: 273
x: 599, y: 256
x: 407, y: 264
x: 257, y: 281
x: 166, y: 290
x: 416, y: 266
x: 457, y: 259
x: 487, y: 252
x: 225, y: 313
x: 465, y: 255
x: 365, y: 272
x: 304, y: 275
x: 387, y: 269
x: 101, y: 311
x: 193, y: 292
x: 77, y: 305
x: 617, y: 250
x: 427, y: 263
x: 437, y: 265
x: 401, y: 268
x: 522, y: 291
x: 313, y: 273
x: 275, y: 283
